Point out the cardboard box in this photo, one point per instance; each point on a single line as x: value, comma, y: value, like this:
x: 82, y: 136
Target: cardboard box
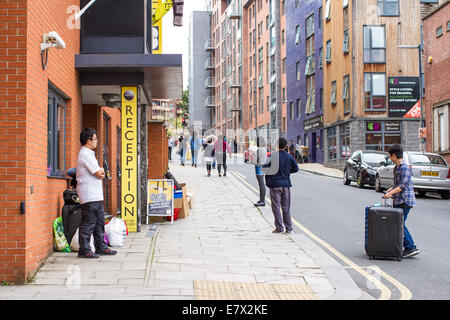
x: 184, y: 212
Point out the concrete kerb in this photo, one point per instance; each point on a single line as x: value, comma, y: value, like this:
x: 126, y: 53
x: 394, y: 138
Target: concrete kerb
x: 344, y: 286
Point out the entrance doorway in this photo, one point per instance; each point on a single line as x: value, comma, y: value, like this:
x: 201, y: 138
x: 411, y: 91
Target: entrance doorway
x: 313, y: 147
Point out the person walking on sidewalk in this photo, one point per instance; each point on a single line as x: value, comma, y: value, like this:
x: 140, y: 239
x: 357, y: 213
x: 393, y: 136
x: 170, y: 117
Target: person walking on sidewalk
x: 221, y: 148
x: 259, y: 159
x: 208, y: 154
x: 403, y: 195
x: 182, y: 149
x: 195, y: 143
x: 90, y: 191
x: 278, y: 169
x: 170, y: 145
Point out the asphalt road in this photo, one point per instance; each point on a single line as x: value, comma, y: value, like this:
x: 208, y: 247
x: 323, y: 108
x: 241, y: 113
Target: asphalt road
x: 335, y: 213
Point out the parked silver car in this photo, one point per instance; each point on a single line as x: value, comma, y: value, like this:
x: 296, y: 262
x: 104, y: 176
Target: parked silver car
x: 430, y: 173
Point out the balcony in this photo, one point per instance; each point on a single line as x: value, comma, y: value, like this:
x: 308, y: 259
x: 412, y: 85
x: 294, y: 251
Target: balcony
x: 210, y: 83
x: 209, y: 64
x: 236, y: 83
x: 236, y: 109
x: 210, y: 102
x: 234, y: 12
x: 209, y: 46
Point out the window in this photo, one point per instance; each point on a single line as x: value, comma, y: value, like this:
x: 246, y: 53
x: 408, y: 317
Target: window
x: 291, y: 115
x: 333, y: 93
x: 345, y: 140
x: 297, y: 34
x: 321, y: 58
x: 56, y: 133
x: 328, y: 10
x: 346, y: 94
x: 439, y: 31
x: 388, y: 8
x: 441, y: 132
x: 448, y: 26
x: 310, y: 95
x: 380, y: 135
x: 345, y: 46
x: 309, y: 26
x: 374, y: 44
x: 298, y: 106
x: 331, y: 143
x: 310, y: 65
x: 284, y: 65
x: 297, y: 68
x: 328, y: 56
x: 375, y: 91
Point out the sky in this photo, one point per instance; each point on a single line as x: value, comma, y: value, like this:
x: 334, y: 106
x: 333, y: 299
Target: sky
x: 175, y: 39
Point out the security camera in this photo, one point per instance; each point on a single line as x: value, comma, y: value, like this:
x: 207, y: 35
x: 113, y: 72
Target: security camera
x: 52, y: 40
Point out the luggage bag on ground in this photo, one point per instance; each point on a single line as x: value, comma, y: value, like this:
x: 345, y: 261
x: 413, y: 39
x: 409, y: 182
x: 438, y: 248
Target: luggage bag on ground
x: 71, y: 218
x: 384, y: 232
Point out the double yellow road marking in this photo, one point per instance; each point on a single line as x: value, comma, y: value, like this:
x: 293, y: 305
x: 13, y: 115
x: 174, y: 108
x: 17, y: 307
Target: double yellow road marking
x: 385, y: 292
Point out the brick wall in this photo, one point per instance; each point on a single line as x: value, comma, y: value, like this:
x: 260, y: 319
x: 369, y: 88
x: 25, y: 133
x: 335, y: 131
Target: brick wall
x: 158, y: 154
x: 13, y: 58
x: 436, y: 74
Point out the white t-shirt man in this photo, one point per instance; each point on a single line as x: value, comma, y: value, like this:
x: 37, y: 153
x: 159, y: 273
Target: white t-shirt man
x: 89, y: 187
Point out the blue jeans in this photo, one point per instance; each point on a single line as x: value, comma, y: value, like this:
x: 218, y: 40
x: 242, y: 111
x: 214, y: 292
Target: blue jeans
x: 408, y: 241
x: 194, y: 156
x: 182, y: 156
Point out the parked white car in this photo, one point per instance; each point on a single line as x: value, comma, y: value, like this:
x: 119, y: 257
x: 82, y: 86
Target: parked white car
x: 430, y: 173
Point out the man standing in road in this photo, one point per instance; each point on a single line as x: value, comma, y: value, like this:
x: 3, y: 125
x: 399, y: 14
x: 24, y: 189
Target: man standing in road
x: 403, y: 195
x: 90, y: 191
x: 278, y: 170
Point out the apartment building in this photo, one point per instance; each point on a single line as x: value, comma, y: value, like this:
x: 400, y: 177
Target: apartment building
x: 303, y: 69
x: 371, y: 76
x: 436, y: 30
x: 201, y: 82
x: 225, y: 65
x: 264, y: 47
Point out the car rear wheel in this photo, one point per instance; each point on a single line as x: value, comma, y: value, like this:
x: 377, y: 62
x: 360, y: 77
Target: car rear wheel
x: 378, y: 187
x: 359, y: 182
x: 445, y: 195
x: 346, y: 179
x: 422, y: 193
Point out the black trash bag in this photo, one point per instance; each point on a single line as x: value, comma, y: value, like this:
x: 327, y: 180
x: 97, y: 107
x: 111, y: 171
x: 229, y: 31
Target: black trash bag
x: 169, y: 175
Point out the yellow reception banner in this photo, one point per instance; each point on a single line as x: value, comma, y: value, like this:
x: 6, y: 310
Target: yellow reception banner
x: 157, y: 31
x: 129, y: 207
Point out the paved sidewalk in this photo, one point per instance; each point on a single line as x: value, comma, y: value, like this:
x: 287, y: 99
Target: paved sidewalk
x: 225, y: 249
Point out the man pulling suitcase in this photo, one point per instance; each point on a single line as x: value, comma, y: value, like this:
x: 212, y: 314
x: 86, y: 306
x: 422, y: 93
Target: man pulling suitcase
x: 402, y: 193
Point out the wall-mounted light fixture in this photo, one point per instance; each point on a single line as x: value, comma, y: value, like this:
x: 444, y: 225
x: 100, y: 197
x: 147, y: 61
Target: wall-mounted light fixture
x: 50, y: 40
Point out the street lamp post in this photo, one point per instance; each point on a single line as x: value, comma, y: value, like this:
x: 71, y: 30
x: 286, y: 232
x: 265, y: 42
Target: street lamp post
x: 422, y: 122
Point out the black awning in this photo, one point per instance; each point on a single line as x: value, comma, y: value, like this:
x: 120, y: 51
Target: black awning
x: 159, y: 75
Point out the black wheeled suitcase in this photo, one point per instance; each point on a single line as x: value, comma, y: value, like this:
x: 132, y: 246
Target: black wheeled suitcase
x: 71, y: 218
x: 384, y: 232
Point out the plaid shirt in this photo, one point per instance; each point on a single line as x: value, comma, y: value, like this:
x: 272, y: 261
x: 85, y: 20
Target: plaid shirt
x: 403, y: 179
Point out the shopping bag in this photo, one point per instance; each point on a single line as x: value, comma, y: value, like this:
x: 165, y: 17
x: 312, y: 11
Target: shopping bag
x: 114, y: 230
x: 188, y: 155
x: 75, y: 245
x: 60, y: 241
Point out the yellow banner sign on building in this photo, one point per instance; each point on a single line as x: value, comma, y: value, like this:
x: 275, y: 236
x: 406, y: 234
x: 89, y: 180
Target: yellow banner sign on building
x: 157, y: 31
x: 129, y: 158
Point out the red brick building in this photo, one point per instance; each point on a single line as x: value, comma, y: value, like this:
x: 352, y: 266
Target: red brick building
x: 45, y: 103
x: 436, y: 31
